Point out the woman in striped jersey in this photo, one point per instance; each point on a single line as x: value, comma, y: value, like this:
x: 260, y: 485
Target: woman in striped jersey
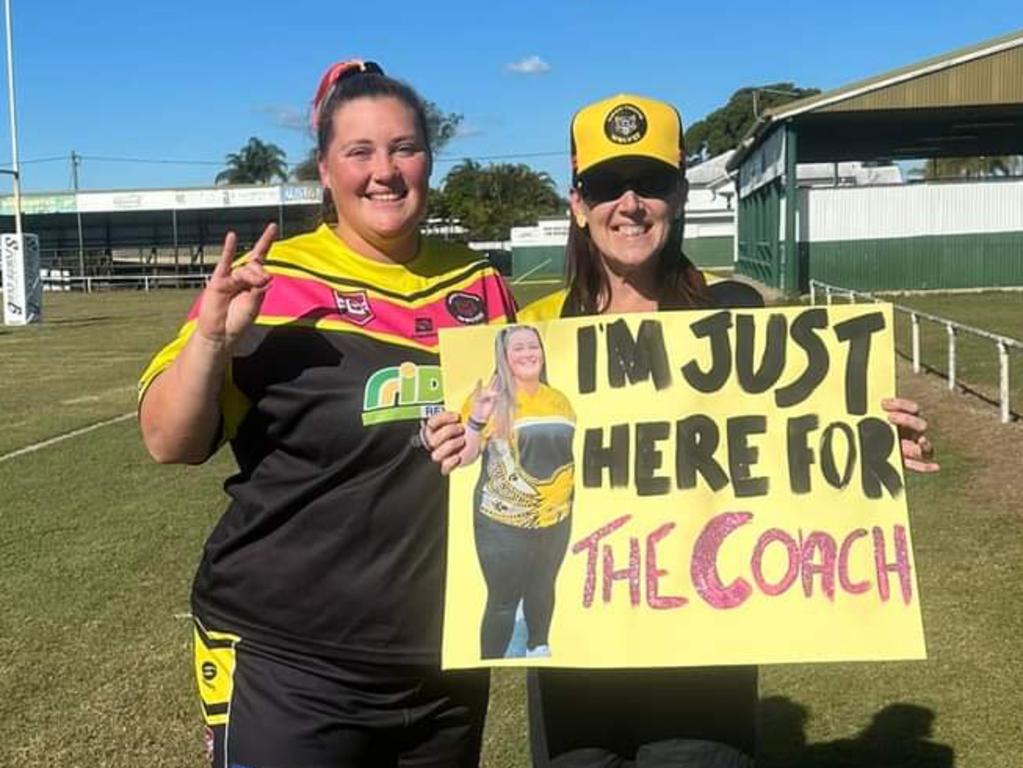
x: 317, y: 602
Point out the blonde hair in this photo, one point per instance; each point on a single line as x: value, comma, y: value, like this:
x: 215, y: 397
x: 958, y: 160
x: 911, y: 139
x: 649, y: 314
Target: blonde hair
x: 504, y: 408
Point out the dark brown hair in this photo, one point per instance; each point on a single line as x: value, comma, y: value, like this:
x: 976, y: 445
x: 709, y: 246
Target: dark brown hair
x: 680, y: 284
x: 363, y: 85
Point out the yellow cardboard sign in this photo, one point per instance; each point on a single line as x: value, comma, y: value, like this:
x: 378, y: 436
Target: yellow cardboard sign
x: 679, y: 489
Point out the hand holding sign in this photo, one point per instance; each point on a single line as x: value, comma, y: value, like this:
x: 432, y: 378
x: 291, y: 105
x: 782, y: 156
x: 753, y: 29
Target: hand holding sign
x: 445, y: 437
x: 917, y: 450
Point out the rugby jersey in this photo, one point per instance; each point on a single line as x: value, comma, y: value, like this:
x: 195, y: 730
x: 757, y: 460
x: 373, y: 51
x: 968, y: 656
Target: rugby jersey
x: 723, y: 292
x: 333, y: 541
x: 527, y: 481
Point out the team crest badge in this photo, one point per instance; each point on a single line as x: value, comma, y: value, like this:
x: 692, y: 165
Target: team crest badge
x: 354, y: 305
x: 626, y: 124
x: 466, y: 308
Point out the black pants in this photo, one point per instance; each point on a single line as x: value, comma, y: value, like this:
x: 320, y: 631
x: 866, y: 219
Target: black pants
x: 519, y: 564
x: 613, y: 717
x: 268, y: 708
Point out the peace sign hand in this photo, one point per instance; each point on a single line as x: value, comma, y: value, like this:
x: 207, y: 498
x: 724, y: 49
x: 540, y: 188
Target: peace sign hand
x: 484, y: 399
x: 232, y: 298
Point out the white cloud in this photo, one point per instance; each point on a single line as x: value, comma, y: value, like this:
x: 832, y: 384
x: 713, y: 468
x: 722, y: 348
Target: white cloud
x: 283, y: 116
x: 531, y: 65
x: 463, y: 131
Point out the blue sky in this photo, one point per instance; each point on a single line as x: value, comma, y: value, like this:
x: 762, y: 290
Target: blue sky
x: 191, y: 81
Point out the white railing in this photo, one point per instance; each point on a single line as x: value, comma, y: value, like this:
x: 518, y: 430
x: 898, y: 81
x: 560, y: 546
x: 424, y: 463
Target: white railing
x: 1003, y: 344
x: 529, y: 272
x: 91, y: 283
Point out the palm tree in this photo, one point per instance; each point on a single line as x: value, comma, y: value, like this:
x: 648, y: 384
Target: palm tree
x: 256, y: 163
x: 972, y: 167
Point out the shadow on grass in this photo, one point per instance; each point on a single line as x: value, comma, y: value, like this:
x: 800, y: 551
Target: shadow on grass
x: 80, y: 320
x: 899, y: 736
x: 961, y: 387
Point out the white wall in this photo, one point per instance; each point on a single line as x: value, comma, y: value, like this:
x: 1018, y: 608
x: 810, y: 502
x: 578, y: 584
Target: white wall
x: 913, y: 210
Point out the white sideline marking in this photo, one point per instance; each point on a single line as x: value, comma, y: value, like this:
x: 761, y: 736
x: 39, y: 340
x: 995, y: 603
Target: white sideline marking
x: 66, y: 436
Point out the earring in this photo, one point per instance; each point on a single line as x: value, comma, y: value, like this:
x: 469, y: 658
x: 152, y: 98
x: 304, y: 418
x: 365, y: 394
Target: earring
x: 580, y: 221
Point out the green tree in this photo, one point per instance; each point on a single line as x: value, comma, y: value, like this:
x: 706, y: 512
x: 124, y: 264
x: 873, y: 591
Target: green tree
x: 489, y: 201
x: 256, y: 163
x: 725, y: 127
x: 972, y: 167
x: 440, y: 126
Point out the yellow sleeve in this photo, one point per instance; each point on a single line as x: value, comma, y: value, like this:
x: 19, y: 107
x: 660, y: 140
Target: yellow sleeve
x: 233, y: 403
x: 547, y: 308
x: 561, y: 404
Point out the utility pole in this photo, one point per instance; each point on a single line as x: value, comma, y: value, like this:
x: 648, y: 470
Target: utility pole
x: 76, y: 160
x: 14, y: 121
x: 23, y: 288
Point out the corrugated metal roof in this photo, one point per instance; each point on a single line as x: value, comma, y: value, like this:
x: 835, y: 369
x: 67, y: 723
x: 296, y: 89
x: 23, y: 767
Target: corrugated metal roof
x: 895, y: 77
x: 982, y: 84
x: 710, y: 170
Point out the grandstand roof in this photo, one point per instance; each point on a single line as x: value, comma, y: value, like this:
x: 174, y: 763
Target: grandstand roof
x: 153, y: 218
x: 967, y: 102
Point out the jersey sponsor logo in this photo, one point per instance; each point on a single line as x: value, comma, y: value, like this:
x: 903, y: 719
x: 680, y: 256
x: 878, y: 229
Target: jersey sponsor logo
x: 466, y: 308
x: 424, y: 326
x: 209, y: 671
x: 402, y: 393
x: 625, y: 125
x: 354, y: 305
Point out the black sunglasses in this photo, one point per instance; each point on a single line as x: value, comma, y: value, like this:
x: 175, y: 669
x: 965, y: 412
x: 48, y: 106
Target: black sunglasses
x: 605, y: 187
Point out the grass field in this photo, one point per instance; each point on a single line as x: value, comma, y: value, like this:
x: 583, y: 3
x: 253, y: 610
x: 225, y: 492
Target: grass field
x: 98, y: 548
x: 977, y: 358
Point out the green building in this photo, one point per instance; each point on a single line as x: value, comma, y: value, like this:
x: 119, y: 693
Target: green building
x: 967, y: 234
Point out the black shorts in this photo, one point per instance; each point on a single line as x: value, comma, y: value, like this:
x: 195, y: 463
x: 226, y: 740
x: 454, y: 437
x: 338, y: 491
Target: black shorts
x: 269, y: 708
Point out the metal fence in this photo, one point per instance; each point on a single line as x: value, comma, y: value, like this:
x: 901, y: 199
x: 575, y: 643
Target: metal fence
x: 62, y: 280
x: 1003, y: 345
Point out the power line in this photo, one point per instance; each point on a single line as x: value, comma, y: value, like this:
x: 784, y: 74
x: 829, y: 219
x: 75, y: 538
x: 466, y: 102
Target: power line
x: 512, y: 156
x: 183, y: 161
x: 221, y: 163
x: 146, y: 160
x: 36, y: 160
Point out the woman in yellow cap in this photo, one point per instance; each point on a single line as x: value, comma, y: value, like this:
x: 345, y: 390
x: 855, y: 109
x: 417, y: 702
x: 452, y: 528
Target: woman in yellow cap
x: 624, y: 254
x: 317, y: 602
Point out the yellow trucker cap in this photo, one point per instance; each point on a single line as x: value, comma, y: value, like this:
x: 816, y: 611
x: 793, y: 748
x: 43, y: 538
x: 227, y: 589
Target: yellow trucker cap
x: 626, y: 125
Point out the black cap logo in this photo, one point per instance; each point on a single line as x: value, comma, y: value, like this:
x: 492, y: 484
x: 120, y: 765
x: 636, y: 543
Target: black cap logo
x: 626, y: 124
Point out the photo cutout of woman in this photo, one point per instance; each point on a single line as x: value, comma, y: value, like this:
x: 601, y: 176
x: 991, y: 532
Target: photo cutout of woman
x: 522, y: 504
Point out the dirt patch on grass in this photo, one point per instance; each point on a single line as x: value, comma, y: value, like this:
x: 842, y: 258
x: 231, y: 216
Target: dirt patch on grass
x: 992, y: 450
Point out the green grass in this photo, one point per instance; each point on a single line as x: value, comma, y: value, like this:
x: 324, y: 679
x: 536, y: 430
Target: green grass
x: 81, y: 365
x: 99, y: 546
x: 967, y: 543
x: 977, y: 365
x: 527, y: 292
